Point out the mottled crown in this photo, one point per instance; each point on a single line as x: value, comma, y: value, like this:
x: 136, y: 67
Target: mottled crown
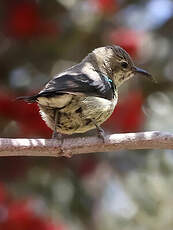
x: 113, y: 51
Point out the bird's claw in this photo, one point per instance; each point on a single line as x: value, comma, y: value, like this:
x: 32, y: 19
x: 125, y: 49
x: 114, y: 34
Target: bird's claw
x: 101, y: 134
x: 62, y: 152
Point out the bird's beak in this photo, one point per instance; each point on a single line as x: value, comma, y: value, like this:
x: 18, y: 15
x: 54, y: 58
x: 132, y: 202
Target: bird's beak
x: 139, y: 71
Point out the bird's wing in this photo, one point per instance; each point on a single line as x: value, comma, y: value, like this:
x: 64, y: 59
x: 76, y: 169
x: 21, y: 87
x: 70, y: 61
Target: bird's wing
x: 79, y: 84
x: 76, y: 84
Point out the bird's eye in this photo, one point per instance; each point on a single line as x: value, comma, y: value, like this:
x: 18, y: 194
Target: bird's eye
x: 124, y: 64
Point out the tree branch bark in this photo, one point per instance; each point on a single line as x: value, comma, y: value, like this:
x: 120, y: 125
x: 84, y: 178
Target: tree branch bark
x: 73, y: 146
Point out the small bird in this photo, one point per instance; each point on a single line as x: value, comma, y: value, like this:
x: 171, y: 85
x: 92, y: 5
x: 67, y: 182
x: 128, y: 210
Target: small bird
x: 84, y: 96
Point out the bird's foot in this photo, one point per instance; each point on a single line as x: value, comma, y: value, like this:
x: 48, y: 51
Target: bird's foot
x: 62, y: 152
x: 56, y: 135
x: 101, y: 133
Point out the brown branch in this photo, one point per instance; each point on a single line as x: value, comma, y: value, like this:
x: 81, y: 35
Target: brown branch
x: 72, y: 146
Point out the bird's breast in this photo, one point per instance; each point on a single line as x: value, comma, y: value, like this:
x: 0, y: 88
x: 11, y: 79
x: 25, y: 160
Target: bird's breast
x: 98, y: 108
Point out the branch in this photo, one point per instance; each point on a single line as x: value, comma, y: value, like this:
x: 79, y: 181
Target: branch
x: 72, y: 146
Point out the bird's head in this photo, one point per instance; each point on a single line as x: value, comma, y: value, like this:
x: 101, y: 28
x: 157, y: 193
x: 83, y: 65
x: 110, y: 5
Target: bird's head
x: 117, y: 64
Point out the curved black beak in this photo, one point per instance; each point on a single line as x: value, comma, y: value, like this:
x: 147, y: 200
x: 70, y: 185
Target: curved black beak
x: 142, y: 72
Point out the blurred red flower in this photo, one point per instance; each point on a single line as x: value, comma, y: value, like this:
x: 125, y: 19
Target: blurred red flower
x: 20, y: 216
x: 3, y: 193
x: 26, y: 115
x: 24, y: 21
x: 106, y: 6
x: 128, y: 115
x: 23, y: 214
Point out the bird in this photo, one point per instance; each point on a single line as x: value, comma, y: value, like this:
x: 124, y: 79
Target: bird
x: 83, y: 96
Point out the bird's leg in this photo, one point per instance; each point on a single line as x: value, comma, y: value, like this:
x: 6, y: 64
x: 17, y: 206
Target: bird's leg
x: 59, y: 136
x: 55, y: 134
x: 100, y: 131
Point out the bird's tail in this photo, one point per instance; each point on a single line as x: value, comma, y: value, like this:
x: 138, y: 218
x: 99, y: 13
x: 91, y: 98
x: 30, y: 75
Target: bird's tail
x: 29, y: 99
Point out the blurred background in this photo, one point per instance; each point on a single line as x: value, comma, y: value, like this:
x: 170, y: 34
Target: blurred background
x: 127, y: 190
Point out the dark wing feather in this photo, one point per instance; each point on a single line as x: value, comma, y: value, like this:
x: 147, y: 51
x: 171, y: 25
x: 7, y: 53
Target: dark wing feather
x: 77, y: 83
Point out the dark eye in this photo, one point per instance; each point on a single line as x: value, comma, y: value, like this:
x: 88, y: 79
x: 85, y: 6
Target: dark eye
x: 124, y: 64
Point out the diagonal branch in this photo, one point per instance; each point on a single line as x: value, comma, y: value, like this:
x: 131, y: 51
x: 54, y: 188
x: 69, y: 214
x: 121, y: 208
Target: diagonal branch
x: 72, y: 146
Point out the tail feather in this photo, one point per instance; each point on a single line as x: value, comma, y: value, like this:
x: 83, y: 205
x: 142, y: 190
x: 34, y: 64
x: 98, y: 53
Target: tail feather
x: 29, y: 99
